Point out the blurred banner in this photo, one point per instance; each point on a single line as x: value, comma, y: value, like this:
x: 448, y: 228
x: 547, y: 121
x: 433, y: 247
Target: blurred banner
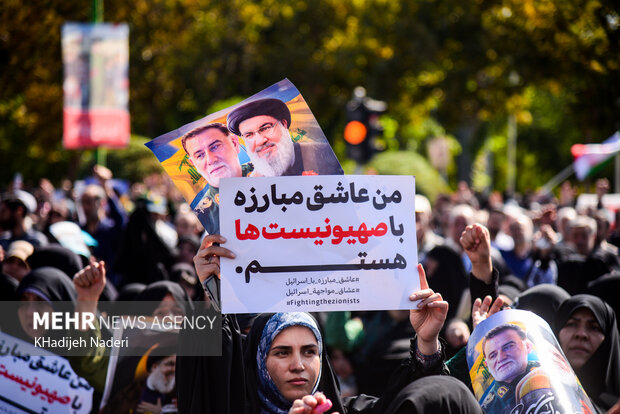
x: 96, y: 85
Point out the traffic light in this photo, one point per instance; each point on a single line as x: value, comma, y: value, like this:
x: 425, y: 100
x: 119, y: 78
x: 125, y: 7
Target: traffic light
x: 362, y: 126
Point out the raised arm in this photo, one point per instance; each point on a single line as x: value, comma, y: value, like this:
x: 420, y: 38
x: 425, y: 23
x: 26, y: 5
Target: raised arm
x: 428, y: 317
x: 115, y: 210
x: 484, y: 280
x: 427, y: 357
x: 89, y: 284
x: 476, y: 242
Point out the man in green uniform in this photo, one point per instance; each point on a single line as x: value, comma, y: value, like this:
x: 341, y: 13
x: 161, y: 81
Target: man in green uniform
x: 505, y: 350
x: 214, y: 151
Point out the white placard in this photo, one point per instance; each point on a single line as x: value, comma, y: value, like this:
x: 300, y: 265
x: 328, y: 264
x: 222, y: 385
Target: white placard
x: 32, y: 380
x: 318, y: 243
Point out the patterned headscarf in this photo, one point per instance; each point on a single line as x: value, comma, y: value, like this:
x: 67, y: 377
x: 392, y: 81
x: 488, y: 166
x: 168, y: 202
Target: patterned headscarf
x: 272, y: 401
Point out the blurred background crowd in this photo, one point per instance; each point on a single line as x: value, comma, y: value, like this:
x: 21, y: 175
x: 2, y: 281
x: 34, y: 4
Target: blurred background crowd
x: 145, y: 233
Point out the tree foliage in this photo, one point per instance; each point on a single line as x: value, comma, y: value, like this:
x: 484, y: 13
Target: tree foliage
x: 445, y: 67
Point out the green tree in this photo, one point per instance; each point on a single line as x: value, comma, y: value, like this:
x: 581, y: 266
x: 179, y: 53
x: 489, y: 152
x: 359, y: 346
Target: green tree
x: 445, y: 67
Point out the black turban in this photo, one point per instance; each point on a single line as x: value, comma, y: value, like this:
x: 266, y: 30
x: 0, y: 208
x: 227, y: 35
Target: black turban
x: 272, y: 107
x: 157, y: 354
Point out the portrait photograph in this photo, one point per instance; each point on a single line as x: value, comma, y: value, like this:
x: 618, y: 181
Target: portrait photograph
x: 272, y: 133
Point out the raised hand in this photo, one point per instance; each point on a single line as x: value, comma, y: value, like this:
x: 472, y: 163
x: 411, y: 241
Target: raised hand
x: 476, y: 242
x: 482, y: 309
x: 90, y: 281
x: 428, y: 317
x: 207, y: 260
x: 311, y: 404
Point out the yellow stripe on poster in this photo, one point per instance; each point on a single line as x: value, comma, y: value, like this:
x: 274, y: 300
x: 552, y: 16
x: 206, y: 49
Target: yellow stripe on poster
x: 184, y: 175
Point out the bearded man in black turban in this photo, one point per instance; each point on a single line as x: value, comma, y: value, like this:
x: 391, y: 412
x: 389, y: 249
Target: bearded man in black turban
x: 264, y: 126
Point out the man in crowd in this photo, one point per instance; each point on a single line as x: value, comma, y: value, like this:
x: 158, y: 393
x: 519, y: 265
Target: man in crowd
x: 586, y: 263
x: 527, y: 260
x: 214, y: 151
x: 496, y: 225
x: 15, y: 262
x: 564, y: 216
x: 602, y: 232
x: 582, y: 234
x: 264, y: 126
x: 14, y: 210
x: 105, y: 218
x: 461, y: 216
x: 427, y: 239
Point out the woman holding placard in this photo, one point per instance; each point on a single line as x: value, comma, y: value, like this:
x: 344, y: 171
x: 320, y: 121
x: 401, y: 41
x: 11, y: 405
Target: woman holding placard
x: 285, y: 370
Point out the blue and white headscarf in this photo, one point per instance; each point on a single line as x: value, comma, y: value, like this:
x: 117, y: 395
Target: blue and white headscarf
x: 272, y: 401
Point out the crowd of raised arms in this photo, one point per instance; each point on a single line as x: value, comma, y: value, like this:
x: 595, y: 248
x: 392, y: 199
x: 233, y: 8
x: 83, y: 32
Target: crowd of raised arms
x: 97, y: 241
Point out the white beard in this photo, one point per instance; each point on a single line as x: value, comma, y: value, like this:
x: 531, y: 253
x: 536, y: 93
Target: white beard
x: 157, y: 381
x: 279, y: 162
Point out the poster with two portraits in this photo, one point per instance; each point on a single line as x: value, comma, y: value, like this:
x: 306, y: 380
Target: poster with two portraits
x: 516, y: 366
x: 272, y: 133
x: 328, y: 242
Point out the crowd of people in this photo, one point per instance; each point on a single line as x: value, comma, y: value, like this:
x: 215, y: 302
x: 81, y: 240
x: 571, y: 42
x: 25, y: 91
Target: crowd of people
x: 478, y: 255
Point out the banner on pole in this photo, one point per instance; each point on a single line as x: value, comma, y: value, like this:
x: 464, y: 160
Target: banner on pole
x: 96, y: 86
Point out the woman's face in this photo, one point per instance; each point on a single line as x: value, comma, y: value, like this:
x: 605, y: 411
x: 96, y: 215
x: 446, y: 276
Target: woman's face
x: 581, y: 337
x: 32, y: 303
x: 168, y: 307
x: 293, y: 362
